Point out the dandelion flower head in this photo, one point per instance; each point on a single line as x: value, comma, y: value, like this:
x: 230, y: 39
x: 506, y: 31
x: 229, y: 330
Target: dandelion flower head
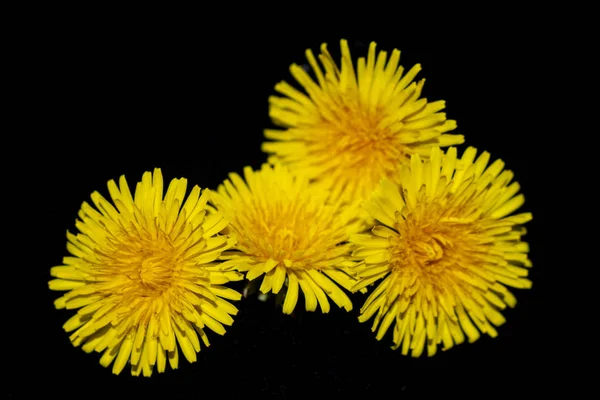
x: 143, y: 277
x: 445, y: 248
x: 287, y: 233
x: 348, y: 129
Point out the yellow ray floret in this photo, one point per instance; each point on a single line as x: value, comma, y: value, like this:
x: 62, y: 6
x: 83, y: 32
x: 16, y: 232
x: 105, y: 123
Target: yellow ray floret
x: 446, y: 246
x: 350, y: 129
x: 144, y: 277
x: 287, y: 233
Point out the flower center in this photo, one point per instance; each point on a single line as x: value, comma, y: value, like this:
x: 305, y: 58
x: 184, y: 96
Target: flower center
x: 424, y: 251
x: 148, y: 261
x: 286, y: 231
x: 429, y: 246
x: 361, y: 149
x: 156, y: 269
x: 357, y: 138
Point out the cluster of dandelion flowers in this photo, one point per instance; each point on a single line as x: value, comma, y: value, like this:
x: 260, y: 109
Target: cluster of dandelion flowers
x: 447, y: 247
x: 143, y: 275
x: 289, y: 235
x: 350, y: 129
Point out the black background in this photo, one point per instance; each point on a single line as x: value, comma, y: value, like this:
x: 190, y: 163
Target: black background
x: 188, y: 95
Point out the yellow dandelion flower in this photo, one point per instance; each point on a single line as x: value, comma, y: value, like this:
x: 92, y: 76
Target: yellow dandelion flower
x: 447, y: 248
x: 288, y: 233
x: 349, y: 130
x: 143, y: 275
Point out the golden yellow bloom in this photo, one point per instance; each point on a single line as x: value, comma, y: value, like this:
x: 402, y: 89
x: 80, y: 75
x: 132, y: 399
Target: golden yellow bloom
x: 447, y: 248
x: 143, y: 275
x: 349, y: 130
x: 286, y: 231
